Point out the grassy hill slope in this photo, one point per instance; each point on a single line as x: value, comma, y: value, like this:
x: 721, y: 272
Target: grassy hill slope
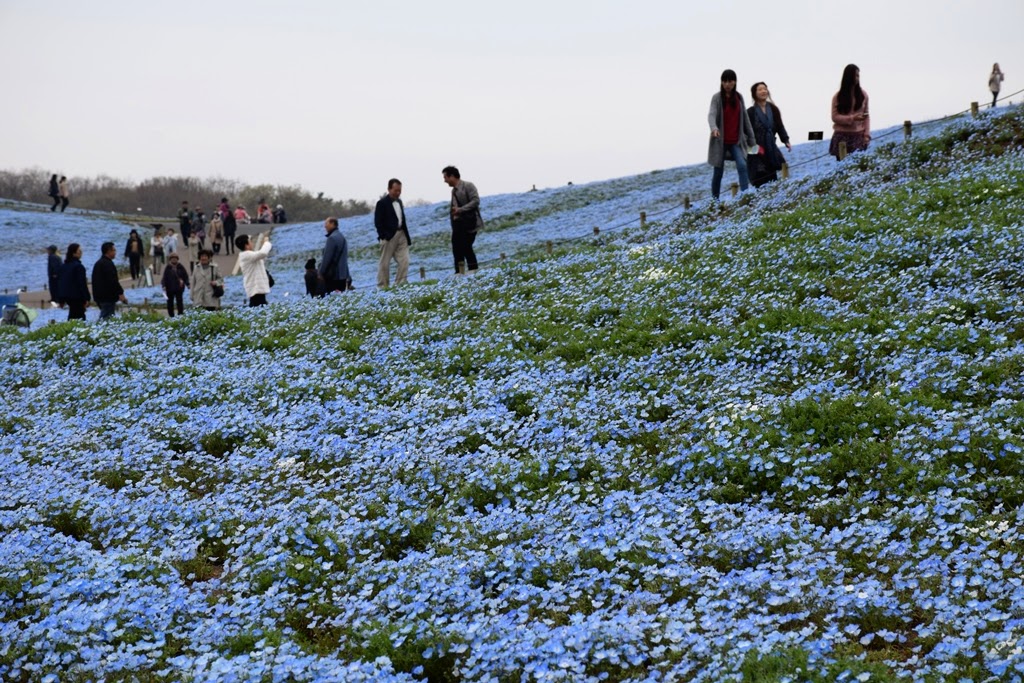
x: 776, y: 441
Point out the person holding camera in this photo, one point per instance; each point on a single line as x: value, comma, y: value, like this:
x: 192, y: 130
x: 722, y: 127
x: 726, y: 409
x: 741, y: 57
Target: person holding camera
x: 255, y: 279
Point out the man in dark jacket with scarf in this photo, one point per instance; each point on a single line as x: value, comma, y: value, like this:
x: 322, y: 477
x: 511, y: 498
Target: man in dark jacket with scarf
x: 393, y: 235
x: 106, y: 286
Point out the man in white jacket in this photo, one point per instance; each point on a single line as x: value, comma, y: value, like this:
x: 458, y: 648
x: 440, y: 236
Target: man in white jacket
x: 254, y: 270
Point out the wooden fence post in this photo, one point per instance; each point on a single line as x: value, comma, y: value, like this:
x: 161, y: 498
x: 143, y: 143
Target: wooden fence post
x: 597, y: 231
x: 974, y: 109
x: 462, y: 267
x: 548, y: 247
x: 643, y: 219
x: 502, y: 256
x: 842, y: 150
x: 907, y: 129
x: 686, y: 202
x: 735, y: 189
x: 785, y: 170
x: 423, y: 273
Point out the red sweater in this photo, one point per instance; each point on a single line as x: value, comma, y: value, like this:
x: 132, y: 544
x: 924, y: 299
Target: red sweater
x: 731, y: 120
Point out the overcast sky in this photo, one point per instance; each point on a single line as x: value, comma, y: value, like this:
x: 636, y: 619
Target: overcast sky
x: 339, y: 96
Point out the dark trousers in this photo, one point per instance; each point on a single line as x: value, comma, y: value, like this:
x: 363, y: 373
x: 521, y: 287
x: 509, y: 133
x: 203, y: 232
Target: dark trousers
x: 229, y: 243
x: 64, y: 203
x: 76, y: 309
x: 462, y: 249
x: 329, y: 286
x: 56, y: 202
x: 176, y: 298
x: 995, y: 96
x: 257, y: 300
x: 107, y: 309
x: 135, y: 265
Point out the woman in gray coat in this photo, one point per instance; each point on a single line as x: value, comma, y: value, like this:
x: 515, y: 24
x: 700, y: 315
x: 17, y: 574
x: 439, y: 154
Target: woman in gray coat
x: 731, y: 133
x: 204, y: 277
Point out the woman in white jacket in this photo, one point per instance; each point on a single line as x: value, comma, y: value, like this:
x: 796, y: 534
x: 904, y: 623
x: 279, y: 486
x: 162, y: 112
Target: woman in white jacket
x: 255, y: 280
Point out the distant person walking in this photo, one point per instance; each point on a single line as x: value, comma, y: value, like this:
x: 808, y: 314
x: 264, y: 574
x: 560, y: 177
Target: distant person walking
x: 72, y: 287
x: 54, y: 192
x: 334, y: 274
x: 65, y: 195
x: 185, y: 216
x: 731, y: 133
x: 465, y: 218
x: 255, y: 280
x: 851, y: 120
x: 766, y: 119
x: 53, y: 265
x: 393, y: 236
x: 995, y: 82
x: 106, y: 286
x: 174, y: 283
x: 170, y: 242
x: 230, y: 225
x: 199, y: 226
x: 156, y: 249
x: 133, y: 250
x: 216, y: 232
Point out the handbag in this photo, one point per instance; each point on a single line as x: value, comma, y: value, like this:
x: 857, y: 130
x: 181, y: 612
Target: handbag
x: 270, y: 279
x: 215, y: 286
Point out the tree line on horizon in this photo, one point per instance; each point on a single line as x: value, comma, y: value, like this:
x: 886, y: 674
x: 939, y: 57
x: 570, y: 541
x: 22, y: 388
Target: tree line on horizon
x: 162, y: 196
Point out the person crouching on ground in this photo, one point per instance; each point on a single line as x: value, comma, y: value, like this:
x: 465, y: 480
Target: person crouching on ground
x: 254, y: 270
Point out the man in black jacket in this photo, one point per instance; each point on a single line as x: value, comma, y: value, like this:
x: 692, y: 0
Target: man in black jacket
x: 106, y: 286
x: 393, y: 235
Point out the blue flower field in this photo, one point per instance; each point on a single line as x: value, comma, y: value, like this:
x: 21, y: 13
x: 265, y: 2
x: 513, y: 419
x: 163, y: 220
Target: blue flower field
x: 776, y: 439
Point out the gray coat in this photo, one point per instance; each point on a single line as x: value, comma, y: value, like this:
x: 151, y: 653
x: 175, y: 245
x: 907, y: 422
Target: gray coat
x: 716, y: 146
x: 466, y: 201
x: 202, y: 290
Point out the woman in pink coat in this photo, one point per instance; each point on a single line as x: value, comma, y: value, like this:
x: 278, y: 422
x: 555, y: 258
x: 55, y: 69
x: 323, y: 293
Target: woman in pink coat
x: 851, y: 122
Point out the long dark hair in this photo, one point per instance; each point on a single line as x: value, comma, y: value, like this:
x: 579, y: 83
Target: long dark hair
x: 728, y: 75
x: 851, y: 97
x: 72, y: 248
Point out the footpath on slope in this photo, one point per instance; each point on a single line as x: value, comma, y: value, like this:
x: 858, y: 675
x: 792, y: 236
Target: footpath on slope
x: 226, y: 264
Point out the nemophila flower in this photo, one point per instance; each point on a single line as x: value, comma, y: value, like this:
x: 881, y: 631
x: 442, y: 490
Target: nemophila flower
x: 805, y: 440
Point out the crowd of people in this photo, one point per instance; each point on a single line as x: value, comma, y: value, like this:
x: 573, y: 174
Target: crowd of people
x: 747, y: 136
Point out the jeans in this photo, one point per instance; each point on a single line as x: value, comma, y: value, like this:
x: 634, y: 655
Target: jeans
x: 740, y: 157
x: 107, y: 309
